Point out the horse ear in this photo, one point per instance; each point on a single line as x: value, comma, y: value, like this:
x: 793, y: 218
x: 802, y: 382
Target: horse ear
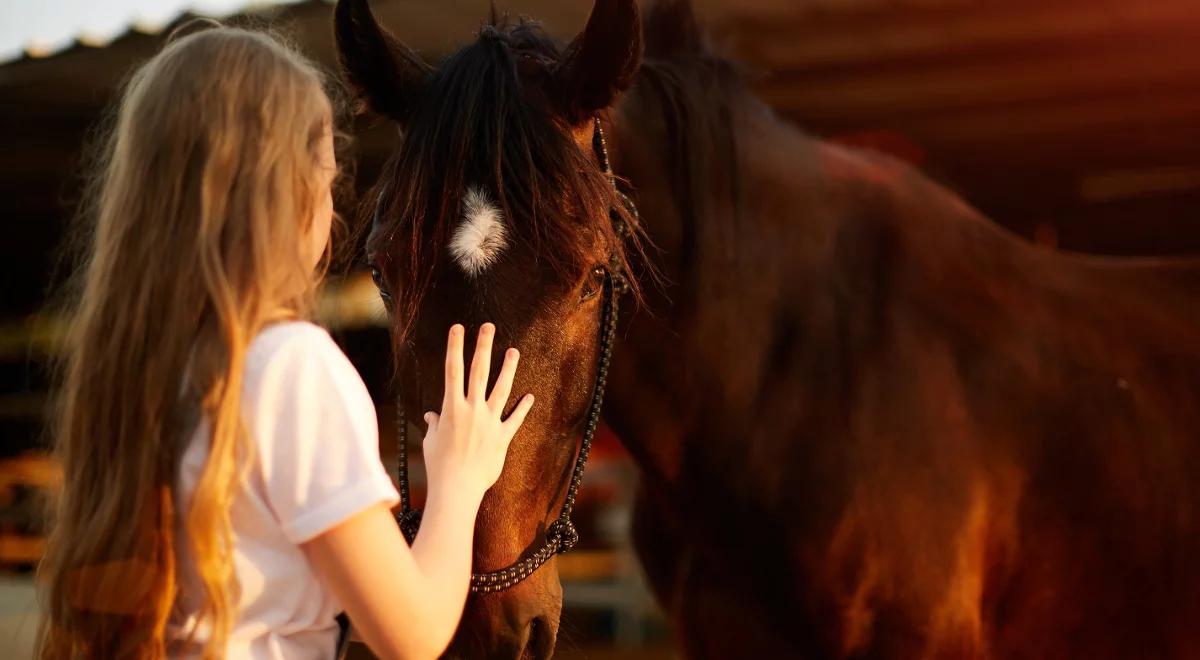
x: 602, y: 61
x: 672, y: 30
x: 387, y: 76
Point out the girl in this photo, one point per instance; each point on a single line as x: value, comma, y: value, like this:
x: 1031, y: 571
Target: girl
x: 223, y: 494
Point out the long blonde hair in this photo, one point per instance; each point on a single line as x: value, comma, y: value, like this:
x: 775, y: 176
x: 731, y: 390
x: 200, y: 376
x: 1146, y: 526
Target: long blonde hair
x: 201, y: 204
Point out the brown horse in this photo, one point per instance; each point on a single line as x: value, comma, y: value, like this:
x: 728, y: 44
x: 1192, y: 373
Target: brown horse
x: 869, y: 422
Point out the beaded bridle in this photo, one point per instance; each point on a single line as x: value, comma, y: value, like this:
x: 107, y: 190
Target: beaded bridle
x: 561, y: 534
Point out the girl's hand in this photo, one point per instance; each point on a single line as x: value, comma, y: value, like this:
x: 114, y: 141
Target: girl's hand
x: 407, y: 602
x: 466, y: 445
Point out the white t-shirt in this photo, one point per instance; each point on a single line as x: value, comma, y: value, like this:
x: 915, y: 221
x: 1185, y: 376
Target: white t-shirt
x: 314, y: 433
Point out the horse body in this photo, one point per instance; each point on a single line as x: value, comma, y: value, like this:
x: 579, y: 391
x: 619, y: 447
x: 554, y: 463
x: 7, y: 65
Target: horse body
x: 873, y: 423
x: 869, y: 422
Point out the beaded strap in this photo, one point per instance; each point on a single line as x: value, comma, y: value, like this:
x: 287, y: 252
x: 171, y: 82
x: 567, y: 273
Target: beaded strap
x: 561, y: 534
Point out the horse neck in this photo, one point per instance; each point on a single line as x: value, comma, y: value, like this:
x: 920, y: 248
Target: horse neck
x: 698, y: 352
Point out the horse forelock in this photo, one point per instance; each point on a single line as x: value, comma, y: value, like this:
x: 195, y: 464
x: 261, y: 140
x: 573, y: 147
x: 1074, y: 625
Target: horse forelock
x: 486, y: 130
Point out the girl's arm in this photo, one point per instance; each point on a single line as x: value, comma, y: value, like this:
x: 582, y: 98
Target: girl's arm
x: 406, y: 603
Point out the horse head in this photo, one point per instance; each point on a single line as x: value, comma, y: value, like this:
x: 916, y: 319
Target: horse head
x: 498, y: 206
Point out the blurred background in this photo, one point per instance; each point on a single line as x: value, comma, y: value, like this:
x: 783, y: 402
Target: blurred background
x: 1071, y: 122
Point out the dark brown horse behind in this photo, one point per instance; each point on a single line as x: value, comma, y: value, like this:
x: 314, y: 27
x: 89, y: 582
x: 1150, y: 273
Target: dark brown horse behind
x: 870, y: 422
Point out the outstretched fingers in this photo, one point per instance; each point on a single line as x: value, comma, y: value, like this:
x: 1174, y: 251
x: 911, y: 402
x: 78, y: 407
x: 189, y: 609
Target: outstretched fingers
x: 481, y: 363
x: 476, y: 380
x: 454, y: 366
x: 504, y: 381
x: 517, y: 417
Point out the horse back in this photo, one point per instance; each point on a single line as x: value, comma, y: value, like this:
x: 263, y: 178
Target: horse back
x: 1019, y: 449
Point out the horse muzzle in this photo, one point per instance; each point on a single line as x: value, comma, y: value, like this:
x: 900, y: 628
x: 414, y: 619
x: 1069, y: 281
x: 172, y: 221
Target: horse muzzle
x: 518, y: 624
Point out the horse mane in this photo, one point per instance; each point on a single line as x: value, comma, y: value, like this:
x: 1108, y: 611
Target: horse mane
x: 693, y: 89
x: 479, y: 126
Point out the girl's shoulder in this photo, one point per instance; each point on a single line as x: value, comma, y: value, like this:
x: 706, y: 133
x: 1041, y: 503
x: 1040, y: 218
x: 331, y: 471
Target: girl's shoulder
x: 314, y: 428
x: 293, y: 340
x: 290, y: 353
x: 290, y: 334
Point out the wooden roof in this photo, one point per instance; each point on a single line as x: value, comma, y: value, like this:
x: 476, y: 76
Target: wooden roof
x: 1074, y: 119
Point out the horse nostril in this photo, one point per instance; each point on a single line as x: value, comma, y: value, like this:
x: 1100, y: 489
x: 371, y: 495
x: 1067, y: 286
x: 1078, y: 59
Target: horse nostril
x: 540, y: 640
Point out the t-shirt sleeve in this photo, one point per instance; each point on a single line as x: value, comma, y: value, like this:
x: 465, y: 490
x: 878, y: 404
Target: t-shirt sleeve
x: 315, y: 434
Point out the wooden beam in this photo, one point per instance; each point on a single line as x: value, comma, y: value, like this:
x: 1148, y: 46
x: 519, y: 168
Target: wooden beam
x: 802, y: 41
x: 955, y: 85
x: 1069, y: 131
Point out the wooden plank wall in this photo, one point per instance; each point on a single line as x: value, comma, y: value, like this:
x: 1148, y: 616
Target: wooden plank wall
x: 1079, y: 115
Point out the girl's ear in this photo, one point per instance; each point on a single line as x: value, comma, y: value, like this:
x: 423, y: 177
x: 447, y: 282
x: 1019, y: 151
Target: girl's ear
x: 387, y: 76
x: 602, y: 61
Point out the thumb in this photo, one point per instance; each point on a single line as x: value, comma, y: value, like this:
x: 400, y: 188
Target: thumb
x: 432, y: 419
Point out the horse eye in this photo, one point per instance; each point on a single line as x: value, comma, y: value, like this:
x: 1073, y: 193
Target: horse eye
x: 593, y: 284
x: 377, y: 277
